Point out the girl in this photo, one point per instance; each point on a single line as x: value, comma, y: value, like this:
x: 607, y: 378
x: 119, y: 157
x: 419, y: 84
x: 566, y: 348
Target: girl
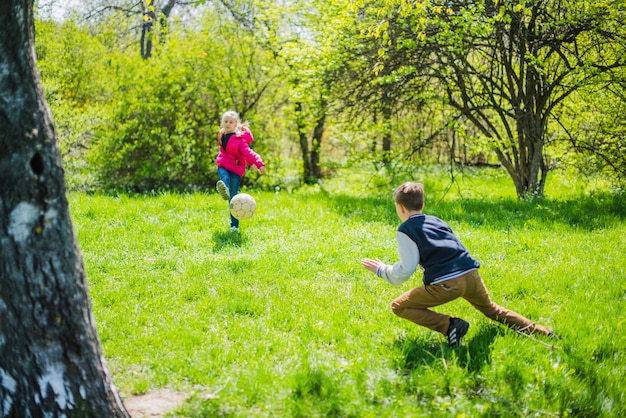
x: 233, y: 157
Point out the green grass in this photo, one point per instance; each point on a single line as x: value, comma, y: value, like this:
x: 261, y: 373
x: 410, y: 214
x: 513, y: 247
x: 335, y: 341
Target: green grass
x: 282, y: 320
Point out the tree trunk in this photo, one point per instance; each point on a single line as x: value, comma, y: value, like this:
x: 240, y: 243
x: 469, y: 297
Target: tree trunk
x: 163, y: 20
x: 51, y: 362
x: 310, y: 153
x: 386, y: 127
x: 148, y: 18
x: 316, y: 143
x: 304, y: 143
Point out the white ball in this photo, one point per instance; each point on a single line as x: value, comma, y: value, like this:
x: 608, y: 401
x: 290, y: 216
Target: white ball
x: 242, y: 206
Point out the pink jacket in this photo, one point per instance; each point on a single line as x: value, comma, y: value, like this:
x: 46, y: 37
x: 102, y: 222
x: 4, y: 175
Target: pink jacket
x: 237, y: 153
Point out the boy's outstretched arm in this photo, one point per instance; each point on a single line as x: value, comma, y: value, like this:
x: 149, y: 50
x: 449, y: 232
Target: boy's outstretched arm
x: 400, y: 271
x: 371, y: 265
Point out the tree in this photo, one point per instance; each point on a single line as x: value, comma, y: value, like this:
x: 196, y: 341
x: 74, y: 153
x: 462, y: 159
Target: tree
x: 506, y: 66
x: 386, y: 103
x: 162, y: 129
x: 51, y: 362
x: 308, y: 48
x: 149, y: 16
x: 309, y: 95
x: 285, y: 32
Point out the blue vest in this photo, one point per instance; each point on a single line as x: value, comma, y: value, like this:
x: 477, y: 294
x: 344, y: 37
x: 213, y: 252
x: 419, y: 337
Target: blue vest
x: 441, y: 253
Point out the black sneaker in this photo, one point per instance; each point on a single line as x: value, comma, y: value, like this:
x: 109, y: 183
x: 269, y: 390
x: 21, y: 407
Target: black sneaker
x: 458, y: 328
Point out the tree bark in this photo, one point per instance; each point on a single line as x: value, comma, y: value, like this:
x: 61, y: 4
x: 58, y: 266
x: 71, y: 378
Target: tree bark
x: 148, y: 18
x: 311, y: 171
x: 387, y: 114
x: 51, y: 362
x: 304, y: 142
x: 316, y: 144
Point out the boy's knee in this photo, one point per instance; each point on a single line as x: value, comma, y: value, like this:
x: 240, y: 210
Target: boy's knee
x: 396, y: 308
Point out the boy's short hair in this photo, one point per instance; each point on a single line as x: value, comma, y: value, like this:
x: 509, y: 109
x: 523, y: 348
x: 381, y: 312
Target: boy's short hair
x: 410, y: 195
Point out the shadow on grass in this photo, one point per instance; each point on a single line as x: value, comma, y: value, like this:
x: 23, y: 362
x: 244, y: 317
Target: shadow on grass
x: 593, y: 212
x: 226, y: 239
x: 472, y: 356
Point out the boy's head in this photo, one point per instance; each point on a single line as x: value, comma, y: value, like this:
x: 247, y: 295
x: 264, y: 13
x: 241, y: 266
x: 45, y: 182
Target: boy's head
x: 410, y: 195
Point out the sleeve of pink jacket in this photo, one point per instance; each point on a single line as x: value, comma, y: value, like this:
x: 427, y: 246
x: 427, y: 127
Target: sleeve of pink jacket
x: 251, y: 157
x: 246, y: 135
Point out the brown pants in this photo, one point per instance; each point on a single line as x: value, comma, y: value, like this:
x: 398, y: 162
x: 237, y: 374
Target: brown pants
x: 413, y: 305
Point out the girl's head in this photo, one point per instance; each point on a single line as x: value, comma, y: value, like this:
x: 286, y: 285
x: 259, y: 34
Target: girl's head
x: 231, y: 122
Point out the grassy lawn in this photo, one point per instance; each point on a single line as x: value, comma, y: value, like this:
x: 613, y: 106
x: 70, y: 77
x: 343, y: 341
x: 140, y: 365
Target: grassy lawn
x: 282, y: 320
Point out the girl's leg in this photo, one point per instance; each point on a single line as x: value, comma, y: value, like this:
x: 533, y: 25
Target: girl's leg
x: 222, y: 184
x: 478, y: 296
x: 233, y: 187
x: 413, y: 305
x: 224, y: 175
x: 230, y: 179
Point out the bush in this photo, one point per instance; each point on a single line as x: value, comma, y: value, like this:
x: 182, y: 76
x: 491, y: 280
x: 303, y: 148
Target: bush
x: 159, y: 135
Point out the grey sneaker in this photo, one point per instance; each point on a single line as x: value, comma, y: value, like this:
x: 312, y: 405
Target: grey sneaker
x: 222, y: 190
x: 234, y: 229
x: 458, y: 328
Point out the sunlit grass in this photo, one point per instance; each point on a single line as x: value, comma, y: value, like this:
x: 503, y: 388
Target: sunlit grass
x: 281, y: 320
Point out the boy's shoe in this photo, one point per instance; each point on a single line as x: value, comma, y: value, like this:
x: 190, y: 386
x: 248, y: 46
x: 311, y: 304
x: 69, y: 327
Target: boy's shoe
x: 458, y: 328
x: 222, y: 189
x: 234, y: 229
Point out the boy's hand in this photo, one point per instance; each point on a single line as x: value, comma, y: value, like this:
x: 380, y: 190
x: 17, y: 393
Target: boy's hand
x: 371, y: 265
x: 261, y: 169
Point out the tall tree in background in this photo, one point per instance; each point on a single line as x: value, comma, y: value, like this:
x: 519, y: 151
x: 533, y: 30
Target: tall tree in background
x: 309, y: 49
x: 506, y: 66
x: 381, y: 93
x: 290, y: 33
x: 150, y: 14
x: 51, y: 362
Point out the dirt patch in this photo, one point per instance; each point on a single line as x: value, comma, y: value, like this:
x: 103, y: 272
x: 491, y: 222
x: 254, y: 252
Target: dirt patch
x: 154, y: 404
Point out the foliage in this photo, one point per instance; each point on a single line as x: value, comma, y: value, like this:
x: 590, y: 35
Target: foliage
x: 306, y: 46
x: 595, y: 138
x: 158, y: 135
x: 155, y: 121
x: 73, y: 92
x: 503, y: 66
x: 281, y: 320
x: 330, y: 82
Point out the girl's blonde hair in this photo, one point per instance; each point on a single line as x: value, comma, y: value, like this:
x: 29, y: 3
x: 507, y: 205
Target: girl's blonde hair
x: 231, y: 114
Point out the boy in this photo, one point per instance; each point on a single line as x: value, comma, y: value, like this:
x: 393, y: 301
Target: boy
x: 449, y: 272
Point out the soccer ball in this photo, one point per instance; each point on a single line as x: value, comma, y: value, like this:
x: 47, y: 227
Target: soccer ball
x: 242, y: 206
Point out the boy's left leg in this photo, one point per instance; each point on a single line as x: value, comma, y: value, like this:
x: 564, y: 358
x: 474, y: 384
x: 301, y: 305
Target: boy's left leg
x: 413, y: 304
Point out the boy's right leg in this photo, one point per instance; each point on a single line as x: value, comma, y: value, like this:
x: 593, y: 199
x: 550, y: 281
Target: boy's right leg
x: 478, y: 296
